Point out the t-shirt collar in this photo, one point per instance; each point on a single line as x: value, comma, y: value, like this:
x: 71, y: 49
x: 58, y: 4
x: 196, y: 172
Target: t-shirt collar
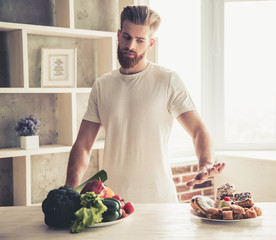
x: 134, y: 75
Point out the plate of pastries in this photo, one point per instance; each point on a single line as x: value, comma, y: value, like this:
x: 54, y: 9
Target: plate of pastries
x: 229, y: 205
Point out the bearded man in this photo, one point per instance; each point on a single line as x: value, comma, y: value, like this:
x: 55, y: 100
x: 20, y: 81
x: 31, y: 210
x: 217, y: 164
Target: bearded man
x: 136, y: 105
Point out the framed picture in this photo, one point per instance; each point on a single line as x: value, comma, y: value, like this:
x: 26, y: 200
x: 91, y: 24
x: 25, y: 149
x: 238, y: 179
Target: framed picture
x: 58, y: 67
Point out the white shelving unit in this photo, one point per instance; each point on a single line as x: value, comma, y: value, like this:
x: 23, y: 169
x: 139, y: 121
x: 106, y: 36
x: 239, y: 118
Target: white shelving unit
x: 18, y: 37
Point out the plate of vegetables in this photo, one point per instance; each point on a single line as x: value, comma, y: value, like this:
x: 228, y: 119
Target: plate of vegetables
x: 92, y: 204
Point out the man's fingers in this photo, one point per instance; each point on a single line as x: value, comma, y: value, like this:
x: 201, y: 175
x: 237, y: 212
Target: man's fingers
x: 199, y: 178
x: 216, y: 169
x: 190, y: 183
x: 193, y: 182
x: 202, y: 176
x: 221, y: 167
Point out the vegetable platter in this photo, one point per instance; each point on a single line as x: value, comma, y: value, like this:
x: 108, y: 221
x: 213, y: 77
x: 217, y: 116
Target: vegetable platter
x: 91, y: 204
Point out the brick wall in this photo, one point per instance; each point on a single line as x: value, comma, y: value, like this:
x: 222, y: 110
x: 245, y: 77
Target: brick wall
x: 182, y: 174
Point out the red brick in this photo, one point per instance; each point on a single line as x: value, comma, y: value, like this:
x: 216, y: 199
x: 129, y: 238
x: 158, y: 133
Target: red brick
x: 203, y: 185
x: 176, y: 180
x: 188, y: 196
x: 181, y: 170
x: 208, y: 191
x: 187, y: 178
x: 182, y: 188
x: 195, y: 168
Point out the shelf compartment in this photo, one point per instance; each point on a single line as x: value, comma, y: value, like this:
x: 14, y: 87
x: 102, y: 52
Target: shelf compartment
x: 87, y: 65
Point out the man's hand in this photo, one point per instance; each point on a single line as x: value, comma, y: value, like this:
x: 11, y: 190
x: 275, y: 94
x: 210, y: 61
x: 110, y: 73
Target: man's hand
x: 205, y: 173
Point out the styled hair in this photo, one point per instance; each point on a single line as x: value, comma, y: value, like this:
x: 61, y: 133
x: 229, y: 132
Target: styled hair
x: 141, y: 15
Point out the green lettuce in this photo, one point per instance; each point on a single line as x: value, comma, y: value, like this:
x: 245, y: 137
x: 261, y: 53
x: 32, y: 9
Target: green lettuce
x: 90, y: 212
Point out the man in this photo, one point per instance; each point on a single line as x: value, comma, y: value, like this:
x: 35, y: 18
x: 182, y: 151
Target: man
x: 135, y: 105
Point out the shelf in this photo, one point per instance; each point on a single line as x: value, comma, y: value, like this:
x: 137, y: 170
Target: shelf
x: 44, y: 149
x: 60, y: 108
x: 45, y: 90
x: 55, y: 31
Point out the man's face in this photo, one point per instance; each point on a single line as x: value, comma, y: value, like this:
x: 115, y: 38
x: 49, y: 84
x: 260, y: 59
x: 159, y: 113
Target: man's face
x: 134, y: 43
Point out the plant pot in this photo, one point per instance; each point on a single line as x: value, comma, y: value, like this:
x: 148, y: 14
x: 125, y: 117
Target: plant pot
x: 29, y: 142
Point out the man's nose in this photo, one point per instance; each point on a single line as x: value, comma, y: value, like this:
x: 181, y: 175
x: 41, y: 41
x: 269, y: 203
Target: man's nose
x: 131, y: 44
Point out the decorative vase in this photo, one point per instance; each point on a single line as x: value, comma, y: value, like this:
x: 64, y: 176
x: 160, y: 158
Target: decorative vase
x: 29, y: 142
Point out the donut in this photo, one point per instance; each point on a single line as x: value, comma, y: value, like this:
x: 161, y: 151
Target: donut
x: 192, y: 202
x: 244, y: 199
x: 245, y: 204
x: 202, y: 203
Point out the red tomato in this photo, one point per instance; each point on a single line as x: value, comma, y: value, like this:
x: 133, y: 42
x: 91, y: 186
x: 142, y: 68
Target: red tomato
x: 122, y: 203
x: 117, y: 197
x: 129, y: 207
x: 124, y: 214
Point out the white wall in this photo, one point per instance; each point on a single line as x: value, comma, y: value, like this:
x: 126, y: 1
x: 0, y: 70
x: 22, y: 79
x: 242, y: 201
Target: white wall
x: 253, y: 174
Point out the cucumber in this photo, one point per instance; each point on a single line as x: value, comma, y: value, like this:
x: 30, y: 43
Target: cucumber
x: 109, y: 216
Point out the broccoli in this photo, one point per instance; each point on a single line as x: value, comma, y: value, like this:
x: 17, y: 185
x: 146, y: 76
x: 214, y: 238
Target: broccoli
x: 60, y: 206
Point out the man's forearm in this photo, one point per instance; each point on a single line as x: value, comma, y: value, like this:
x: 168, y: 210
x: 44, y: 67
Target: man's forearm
x: 77, y: 165
x: 204, y: 148
x: 205, y: 152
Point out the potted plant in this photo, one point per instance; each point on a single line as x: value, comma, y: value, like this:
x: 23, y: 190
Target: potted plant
x: 28, y: 129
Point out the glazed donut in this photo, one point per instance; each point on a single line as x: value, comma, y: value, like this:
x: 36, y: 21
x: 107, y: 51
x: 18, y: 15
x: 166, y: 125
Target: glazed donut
x: 192, y: 202
x: 202, y: 203
x: 244, y: 199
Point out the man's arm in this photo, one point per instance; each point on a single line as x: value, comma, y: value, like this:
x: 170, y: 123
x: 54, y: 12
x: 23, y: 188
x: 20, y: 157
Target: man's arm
x: 80, y: 152
x: 204, y: 147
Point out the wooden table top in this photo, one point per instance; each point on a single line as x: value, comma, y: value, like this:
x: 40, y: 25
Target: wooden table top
x: 149, y: 221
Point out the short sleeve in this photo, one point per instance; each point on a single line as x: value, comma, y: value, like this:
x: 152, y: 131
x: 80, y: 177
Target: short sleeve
x: 92, y: 112
x: 180, y: 100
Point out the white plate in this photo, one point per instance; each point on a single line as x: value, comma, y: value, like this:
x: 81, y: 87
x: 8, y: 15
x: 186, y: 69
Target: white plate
x: 198, y: 215
x: 104, y: 224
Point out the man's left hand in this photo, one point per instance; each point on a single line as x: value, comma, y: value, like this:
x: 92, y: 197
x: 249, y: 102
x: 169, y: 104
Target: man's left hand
x: 205, y: 173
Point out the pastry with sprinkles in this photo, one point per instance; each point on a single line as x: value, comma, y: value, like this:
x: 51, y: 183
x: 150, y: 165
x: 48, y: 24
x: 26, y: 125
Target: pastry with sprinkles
x: 223, y: 191
x: 244, y: 199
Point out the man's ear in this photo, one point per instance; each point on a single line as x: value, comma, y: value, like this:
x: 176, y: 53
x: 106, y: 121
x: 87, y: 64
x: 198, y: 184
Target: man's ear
x: 118, y: 33
x: 152, y: 41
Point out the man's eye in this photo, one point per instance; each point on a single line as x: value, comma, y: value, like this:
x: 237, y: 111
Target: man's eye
x: 140, y: 41
x: 127, y: 37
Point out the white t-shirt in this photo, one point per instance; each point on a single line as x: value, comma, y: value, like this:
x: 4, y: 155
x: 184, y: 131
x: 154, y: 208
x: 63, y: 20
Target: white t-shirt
x: 137, y: 112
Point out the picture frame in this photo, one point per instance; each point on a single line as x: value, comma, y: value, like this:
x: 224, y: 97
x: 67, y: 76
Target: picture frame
x: 58, y: 67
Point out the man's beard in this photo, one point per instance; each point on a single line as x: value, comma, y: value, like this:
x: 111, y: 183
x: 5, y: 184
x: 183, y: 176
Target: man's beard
x: 127, y: 62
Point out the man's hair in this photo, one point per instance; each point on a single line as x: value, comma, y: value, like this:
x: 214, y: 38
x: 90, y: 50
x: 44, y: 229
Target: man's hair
x: 141, y: 15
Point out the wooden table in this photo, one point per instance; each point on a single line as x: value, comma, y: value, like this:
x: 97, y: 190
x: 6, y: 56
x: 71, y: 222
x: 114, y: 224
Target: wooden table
x: 149, y: 221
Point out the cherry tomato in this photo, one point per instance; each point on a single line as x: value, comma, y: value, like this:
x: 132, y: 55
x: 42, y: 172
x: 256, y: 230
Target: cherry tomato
x: 129, y: 207
x: 117, y: 197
